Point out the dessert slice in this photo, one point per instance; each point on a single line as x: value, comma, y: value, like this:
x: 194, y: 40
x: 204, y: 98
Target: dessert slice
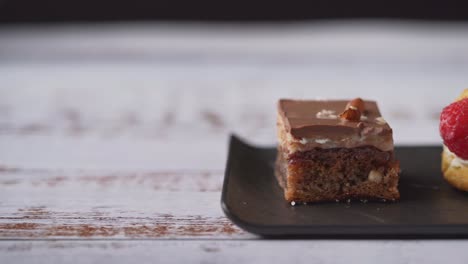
x: 327, y: 156
x: 454, y: 131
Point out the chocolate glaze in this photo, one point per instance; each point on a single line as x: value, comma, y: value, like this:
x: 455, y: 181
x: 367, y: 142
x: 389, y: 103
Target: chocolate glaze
x: 301, y: 121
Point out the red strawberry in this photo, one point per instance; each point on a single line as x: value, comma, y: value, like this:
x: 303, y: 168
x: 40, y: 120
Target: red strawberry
x: 454, y: 127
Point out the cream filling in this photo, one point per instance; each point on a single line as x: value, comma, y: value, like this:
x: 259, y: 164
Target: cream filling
x: 382, y: 143
x: 456, y: 161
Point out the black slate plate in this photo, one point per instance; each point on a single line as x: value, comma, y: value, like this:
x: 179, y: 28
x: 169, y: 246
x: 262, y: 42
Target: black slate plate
x: 429, y: 207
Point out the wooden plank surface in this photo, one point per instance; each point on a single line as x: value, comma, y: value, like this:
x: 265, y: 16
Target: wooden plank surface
x: 234, y: 251
x: 119, y: 133
x: 96, y: 205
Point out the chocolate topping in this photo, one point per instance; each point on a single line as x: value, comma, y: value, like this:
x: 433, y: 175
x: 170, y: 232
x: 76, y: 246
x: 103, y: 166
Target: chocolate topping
x: 307, y: 119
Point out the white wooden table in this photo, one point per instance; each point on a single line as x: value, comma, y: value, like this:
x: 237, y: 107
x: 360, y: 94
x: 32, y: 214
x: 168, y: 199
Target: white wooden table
x: 113, y: 138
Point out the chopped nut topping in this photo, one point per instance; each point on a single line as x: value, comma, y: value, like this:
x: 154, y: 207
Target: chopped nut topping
x: 351, y: 115
x: 380, y: 121
x: 353, y: 110
x: 356, y: 103
x: 326, y: 114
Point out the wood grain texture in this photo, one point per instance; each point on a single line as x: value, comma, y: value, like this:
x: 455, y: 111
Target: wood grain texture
x: 67, y: 204
x: 258, y: 251
x: 118, y: 133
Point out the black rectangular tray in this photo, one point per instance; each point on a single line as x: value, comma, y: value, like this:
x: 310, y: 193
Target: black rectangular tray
x: 429, y: 207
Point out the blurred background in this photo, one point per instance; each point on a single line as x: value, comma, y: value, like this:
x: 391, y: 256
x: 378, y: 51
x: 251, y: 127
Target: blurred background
x: 191, y: 72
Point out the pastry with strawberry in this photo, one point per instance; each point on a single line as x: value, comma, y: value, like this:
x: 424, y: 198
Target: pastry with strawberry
x: 454, y: 132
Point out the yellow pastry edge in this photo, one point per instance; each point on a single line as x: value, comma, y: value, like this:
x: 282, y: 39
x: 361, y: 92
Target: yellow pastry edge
x: 454, y: 173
